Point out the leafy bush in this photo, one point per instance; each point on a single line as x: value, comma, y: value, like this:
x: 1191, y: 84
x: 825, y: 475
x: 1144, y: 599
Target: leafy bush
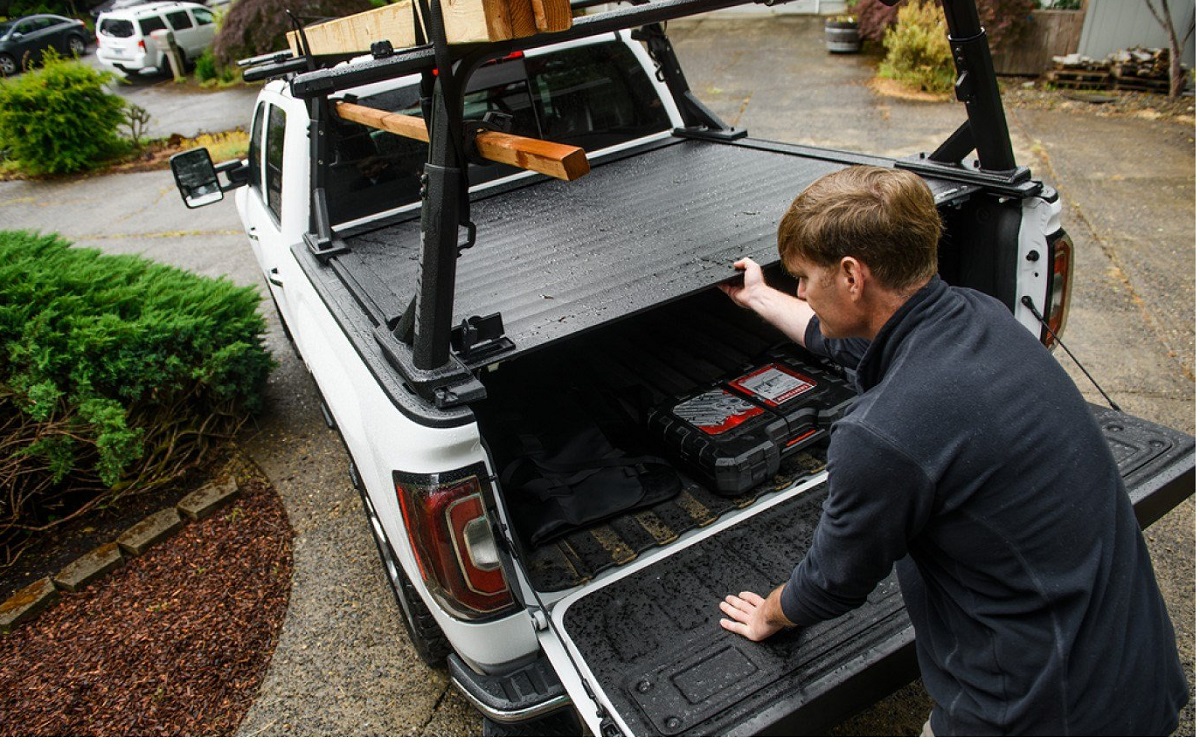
x: 116, y: 373
x: 255, y: 27
x: 917, y: 52
x: 59, y: 119
x: 1004, y: 20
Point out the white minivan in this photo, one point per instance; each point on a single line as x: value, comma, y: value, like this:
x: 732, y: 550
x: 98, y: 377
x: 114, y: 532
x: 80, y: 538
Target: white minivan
x: 123, y: 41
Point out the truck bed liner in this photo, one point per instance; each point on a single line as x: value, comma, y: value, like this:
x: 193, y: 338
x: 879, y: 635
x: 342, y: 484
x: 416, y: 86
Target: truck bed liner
x: 556, y: 259
x: 653, y: 642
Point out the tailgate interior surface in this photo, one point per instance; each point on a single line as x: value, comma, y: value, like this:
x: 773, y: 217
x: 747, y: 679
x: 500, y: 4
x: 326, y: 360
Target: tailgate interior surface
x: 653, y: 641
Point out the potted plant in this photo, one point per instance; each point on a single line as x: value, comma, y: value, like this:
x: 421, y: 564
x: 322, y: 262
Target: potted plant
x: 841, y: 34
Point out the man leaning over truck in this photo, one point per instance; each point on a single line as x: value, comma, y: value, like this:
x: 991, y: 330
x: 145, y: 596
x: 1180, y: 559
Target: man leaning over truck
x: 972, y: 463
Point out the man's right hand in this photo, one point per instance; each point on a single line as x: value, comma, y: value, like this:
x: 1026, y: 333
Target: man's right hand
x: 786, y: 312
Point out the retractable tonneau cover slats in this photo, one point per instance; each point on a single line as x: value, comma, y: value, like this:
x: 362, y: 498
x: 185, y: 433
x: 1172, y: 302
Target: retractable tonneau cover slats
x: 556, y: 259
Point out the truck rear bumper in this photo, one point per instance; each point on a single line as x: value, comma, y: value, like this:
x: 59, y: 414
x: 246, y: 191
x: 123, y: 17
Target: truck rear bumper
x: 529, y: 692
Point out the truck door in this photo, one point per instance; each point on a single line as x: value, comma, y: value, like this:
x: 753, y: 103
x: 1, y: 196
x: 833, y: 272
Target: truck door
x: 265, y: 215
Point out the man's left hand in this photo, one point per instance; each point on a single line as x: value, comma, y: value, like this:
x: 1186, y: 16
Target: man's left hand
x: 754, y: 617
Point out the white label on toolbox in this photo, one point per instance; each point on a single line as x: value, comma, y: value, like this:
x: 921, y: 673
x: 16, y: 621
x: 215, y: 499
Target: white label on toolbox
x: 773, y: 384
x: 716, y: 411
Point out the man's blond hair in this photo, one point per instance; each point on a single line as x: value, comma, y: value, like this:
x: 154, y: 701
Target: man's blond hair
x: 884, y: 217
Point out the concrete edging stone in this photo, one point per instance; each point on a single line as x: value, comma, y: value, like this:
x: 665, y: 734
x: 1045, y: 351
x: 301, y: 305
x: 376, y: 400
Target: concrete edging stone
x: 27, y: 603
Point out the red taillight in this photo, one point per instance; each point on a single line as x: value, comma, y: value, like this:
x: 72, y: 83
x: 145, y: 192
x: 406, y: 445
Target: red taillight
x: 452, y: 540
x: 142, y: 44
x: 1058, y: 291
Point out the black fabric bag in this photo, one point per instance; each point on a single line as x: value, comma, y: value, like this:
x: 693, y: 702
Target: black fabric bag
x: 568, y: 473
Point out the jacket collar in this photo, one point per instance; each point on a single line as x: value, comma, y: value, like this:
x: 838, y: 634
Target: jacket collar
x: 886, y: 345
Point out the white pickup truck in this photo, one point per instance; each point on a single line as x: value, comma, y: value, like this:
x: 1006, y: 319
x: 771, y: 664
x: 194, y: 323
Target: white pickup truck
x: 512, y: 360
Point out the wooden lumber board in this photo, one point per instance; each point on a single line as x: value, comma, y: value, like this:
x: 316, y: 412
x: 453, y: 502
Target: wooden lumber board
x: 466, y: 21
x: 564, y: 162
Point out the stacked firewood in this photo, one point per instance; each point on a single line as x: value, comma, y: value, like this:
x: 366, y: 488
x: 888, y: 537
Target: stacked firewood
x: 1127, y: 69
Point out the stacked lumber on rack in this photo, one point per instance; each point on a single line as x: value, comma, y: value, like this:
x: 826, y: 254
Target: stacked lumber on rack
x: 466, y: 21
x: 1129, y: 69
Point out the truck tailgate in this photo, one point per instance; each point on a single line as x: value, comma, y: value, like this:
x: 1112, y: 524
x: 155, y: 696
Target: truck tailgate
x: 651, y: 642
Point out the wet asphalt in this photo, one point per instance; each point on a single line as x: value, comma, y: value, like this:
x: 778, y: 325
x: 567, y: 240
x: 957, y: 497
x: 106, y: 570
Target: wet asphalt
x: 343, y: 665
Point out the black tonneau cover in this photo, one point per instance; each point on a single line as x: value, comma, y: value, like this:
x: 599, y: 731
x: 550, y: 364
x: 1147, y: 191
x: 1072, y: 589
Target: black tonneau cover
x: 556, y: 259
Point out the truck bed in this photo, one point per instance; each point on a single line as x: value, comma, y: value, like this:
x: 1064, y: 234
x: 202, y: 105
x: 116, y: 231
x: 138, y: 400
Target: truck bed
x: 643, y: 228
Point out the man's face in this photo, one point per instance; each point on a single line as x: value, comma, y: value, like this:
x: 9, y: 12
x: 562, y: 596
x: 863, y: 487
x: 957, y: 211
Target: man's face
x: 828, y: 294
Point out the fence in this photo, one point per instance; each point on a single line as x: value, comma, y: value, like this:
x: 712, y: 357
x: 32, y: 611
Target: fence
x: 1052, y: 33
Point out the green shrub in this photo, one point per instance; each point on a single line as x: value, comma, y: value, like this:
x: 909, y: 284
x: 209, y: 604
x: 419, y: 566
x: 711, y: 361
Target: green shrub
x: 115, y: 374
x: 59, y: 119
x: 917, y: 52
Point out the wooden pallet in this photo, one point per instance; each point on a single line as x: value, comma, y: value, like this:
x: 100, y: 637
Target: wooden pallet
x: 1148, y: 85
x: 1079, y: 79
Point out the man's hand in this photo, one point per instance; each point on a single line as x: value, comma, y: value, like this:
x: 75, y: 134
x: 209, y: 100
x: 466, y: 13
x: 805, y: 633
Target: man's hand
x: 754, y: 617
x: 744, y: 292
x: 786, y: 312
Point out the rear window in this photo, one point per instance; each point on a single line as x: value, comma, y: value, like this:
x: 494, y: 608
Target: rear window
x: 591, y: 97
x: 150, y: 24
x: 117, y: 28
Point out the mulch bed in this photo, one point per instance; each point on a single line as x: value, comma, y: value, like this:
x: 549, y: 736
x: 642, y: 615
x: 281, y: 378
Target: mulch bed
x: 175, y: 643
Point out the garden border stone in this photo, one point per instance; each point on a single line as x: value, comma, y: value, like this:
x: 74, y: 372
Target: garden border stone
x: 27, y: 603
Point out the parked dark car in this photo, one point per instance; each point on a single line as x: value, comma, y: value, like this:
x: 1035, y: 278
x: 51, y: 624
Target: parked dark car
x: 23, y: 40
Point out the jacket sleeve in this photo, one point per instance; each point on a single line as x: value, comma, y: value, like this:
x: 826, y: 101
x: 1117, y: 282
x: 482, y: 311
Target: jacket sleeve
x: 879, y: 499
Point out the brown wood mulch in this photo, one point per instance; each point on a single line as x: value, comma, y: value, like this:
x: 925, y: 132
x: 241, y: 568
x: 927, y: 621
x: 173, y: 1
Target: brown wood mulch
x: 175, y: 643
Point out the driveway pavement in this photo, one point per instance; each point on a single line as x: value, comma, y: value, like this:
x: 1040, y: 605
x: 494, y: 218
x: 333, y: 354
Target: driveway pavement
x: 343, y: 665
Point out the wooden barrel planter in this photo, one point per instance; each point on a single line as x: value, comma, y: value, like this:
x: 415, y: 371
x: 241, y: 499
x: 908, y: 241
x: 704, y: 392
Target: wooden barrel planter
x: 841, y: 36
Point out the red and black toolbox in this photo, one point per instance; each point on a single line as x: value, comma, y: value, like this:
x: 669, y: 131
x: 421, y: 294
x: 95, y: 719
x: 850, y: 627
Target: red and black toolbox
x: 734, y: 433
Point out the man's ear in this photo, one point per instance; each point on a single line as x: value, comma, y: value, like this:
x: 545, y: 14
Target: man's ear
x: 853, y: 275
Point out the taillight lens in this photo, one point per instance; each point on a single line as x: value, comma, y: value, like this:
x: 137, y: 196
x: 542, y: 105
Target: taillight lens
x: 451, y: 537
x: 1058, y: 291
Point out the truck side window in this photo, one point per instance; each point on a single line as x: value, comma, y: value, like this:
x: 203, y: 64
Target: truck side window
x: 276, y: 123
x: 254, y: 158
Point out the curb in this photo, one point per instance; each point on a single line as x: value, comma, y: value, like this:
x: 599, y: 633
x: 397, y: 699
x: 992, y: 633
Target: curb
x: 27, y: 603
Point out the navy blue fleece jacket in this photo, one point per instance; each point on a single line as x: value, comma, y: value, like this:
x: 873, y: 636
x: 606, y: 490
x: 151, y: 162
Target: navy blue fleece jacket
x: 972, y: 463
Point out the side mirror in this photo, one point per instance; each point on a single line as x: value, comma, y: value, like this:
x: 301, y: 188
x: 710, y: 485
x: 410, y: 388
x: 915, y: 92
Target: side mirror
x: 196, y: 178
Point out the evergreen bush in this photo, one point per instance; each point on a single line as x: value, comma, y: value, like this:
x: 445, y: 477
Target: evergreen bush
x: 917, y: 52
x: 116, y: 373
x: 59, y: 118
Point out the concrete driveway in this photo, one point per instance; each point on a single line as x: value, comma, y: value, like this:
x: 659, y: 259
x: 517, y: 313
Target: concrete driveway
x: 343, y: 665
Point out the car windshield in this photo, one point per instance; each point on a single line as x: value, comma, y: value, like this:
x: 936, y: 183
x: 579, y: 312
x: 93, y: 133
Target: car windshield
x: 5, y: 28
x: 116, y: 27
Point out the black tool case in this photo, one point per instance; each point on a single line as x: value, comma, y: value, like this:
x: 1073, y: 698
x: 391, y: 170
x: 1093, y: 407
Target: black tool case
x: 734, y: 433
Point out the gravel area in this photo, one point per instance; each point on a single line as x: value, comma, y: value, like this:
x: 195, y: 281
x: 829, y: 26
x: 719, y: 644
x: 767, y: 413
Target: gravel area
x: 175, y: 643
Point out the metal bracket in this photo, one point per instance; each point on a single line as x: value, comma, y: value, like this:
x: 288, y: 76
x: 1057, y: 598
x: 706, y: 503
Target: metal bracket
x: 477, y: 338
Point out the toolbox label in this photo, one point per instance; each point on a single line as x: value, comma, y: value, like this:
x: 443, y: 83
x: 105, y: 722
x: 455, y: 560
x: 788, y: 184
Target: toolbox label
x: 774, y: 384
x: 716, y: 411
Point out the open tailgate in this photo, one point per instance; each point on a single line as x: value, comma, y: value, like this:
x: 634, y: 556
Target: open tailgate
x: 659, y: 664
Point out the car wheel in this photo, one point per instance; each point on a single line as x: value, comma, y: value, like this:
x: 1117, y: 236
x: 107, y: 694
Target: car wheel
x: 76, y: 46
x: 426, y: 635
x: 8, y: 65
